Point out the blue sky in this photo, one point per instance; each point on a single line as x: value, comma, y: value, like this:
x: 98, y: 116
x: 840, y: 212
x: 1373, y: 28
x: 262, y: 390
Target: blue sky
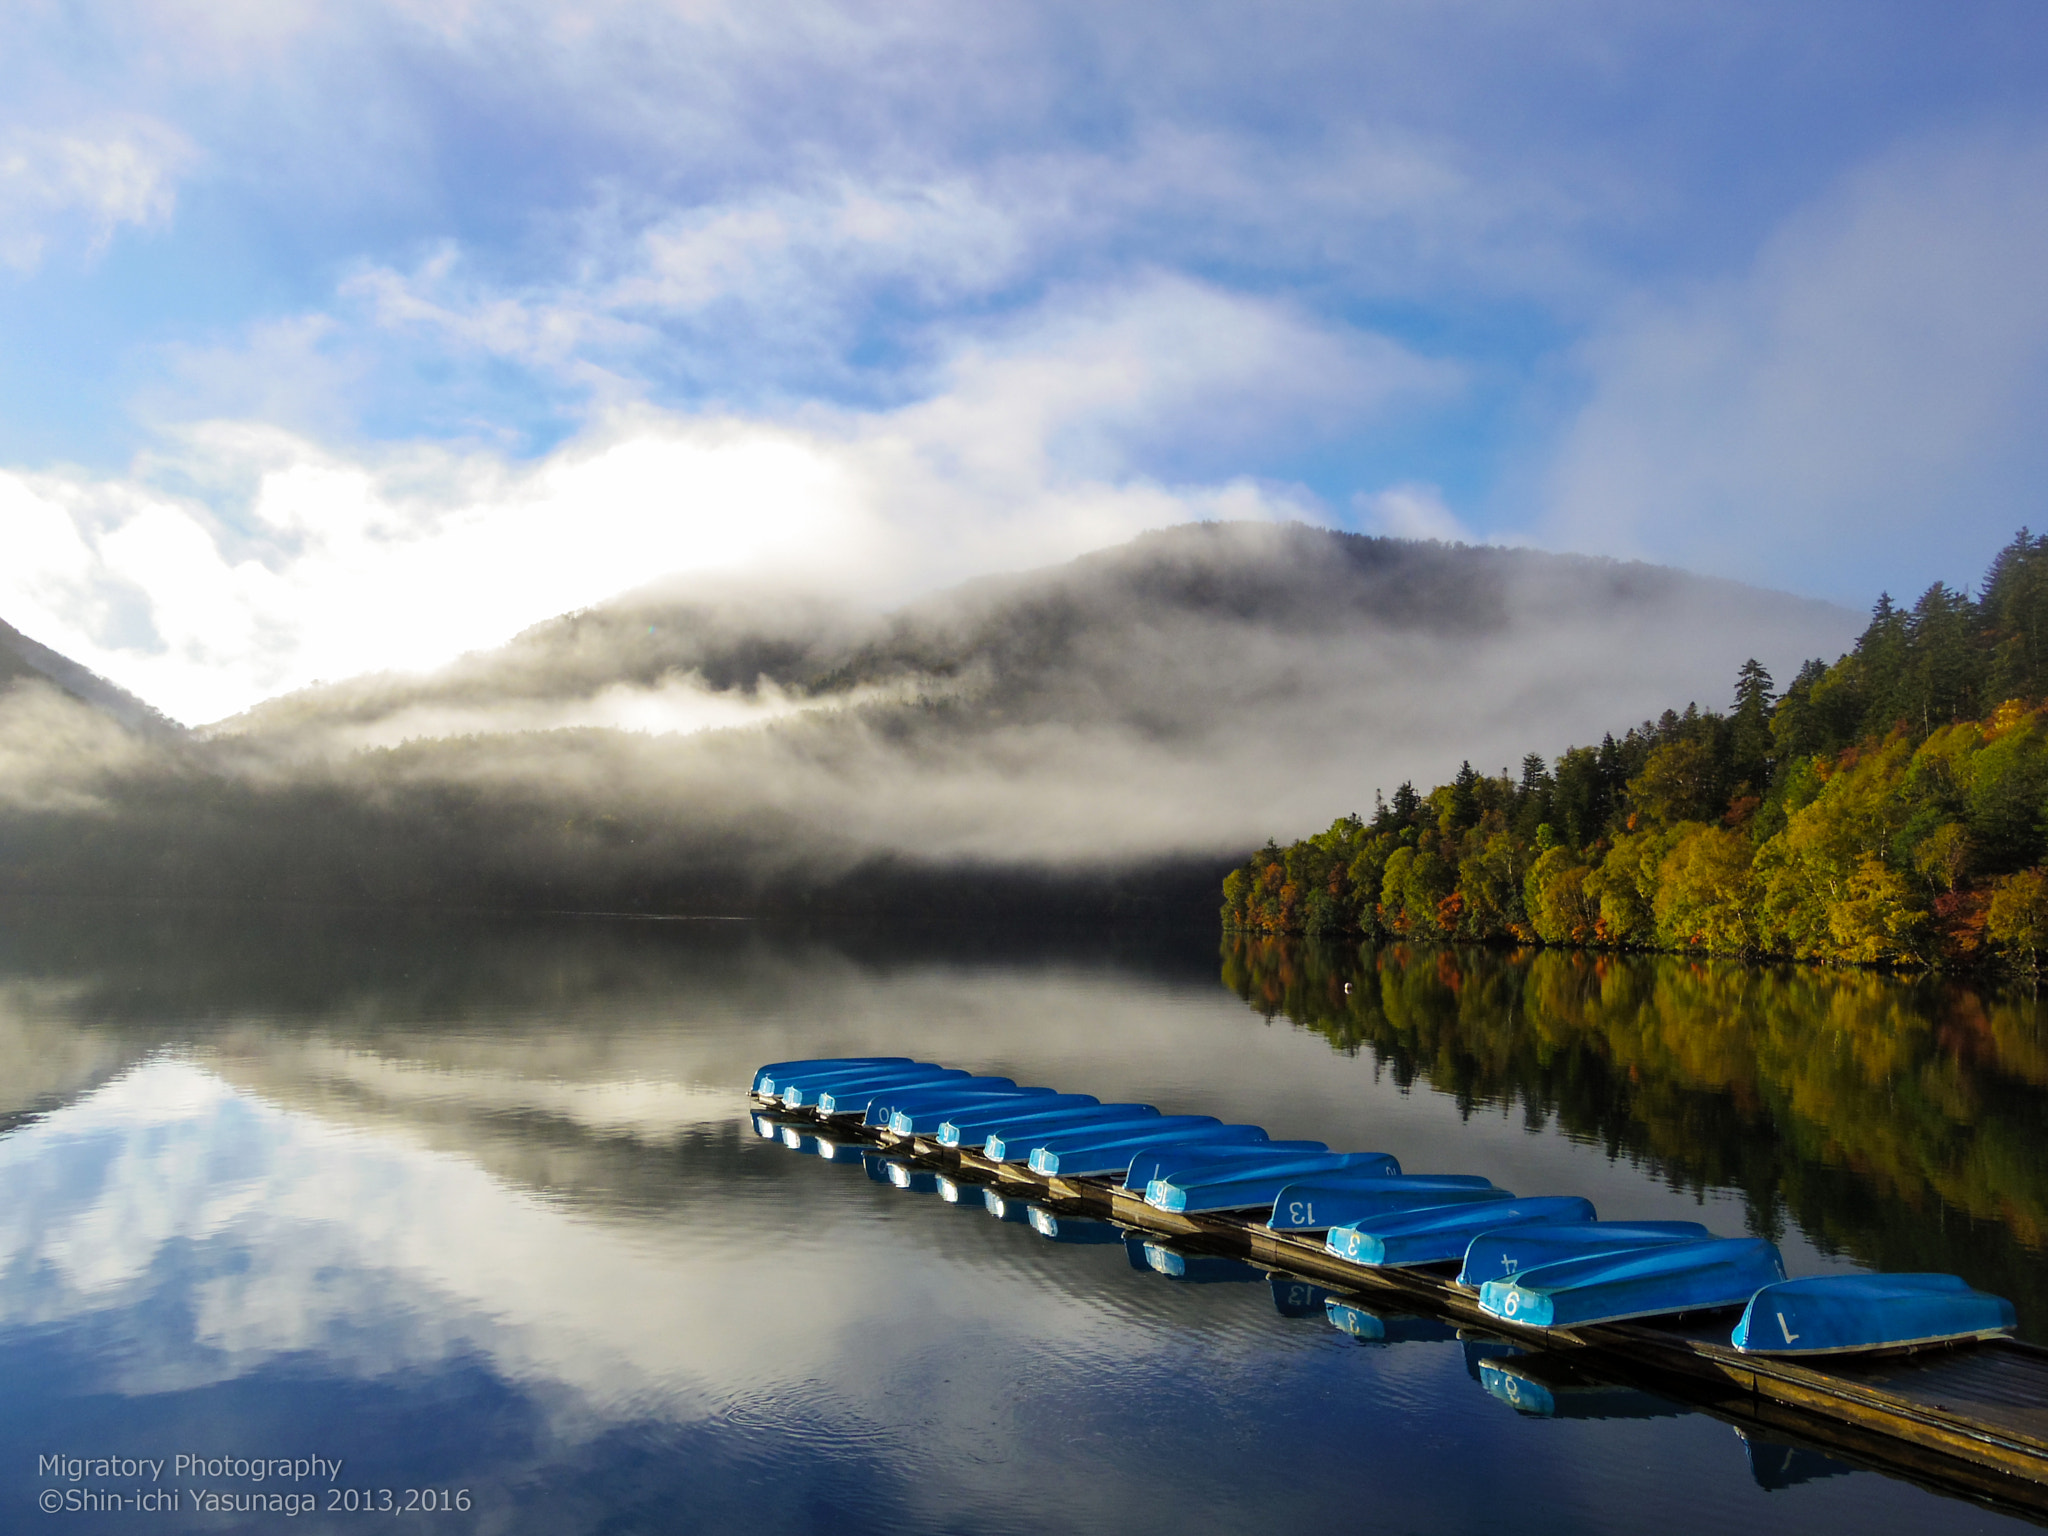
x: 340, y: 337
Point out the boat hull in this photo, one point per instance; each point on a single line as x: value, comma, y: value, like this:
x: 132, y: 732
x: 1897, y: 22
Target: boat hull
x: 1240, y: 1188
x: 1316, y: 1205
x: 1096, y: 1159
x: 1854, y: 1314
x: 1441, y: 1235
x: 1654, y: 1282
x: 765, y: 1077
x: 1049, y: 1120
x: 1169, y: 1162
x: 1503, y: 1255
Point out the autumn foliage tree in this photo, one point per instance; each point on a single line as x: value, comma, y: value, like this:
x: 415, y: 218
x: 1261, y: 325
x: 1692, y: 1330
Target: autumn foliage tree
x: 1889, y: 809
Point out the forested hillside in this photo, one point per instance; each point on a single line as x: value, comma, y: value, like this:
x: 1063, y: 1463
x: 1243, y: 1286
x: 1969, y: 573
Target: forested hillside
x: 1889, y: 809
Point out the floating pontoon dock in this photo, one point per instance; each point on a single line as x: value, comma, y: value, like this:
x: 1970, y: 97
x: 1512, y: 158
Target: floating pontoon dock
x: 1970, y: 1421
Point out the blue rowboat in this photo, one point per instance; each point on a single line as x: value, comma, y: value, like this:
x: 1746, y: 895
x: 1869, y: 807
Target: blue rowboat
x: 1172, y: 1161
x: 971, y: 1127
x: 1316, y: 1205
x: 922, y: 1116
x: 765, y: 1077
x: 937, y: 1098
x: 1386, y: 1328
x: 1071, y: 1229
x: 1009, y: 1145
x: 807, y: 1090
x: 1249, y: 1183
x: 1644, y: 1282
x: 1007, y: 1123
x: 1198, y: 1268
x: 1158, y: 1127
x: 775, y: 1085
x: 1439, y: 1235
x: 838, y: 1103
x: 1834, y: 1314
x: 1504, y: 1254
x: 1082, y: 1156
x: 804, y: 1089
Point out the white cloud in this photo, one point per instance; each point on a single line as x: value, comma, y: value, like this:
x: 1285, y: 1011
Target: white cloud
x: 1411, y: 510
x: 94, y: 179
x: 338, y: 565
x: 1865, y: 401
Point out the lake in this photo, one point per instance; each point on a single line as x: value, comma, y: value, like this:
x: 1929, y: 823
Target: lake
x: 472, y: 1206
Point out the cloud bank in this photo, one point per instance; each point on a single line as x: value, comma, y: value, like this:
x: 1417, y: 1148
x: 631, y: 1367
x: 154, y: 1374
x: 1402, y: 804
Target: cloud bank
x: 351, y: 338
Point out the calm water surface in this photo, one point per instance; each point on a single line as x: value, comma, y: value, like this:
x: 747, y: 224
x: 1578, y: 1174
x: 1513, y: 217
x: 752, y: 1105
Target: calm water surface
x: 474, y: 1207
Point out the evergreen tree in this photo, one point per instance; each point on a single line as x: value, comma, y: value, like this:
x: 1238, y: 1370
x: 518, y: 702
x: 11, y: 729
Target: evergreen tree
x: 2013, y: 620
x: 1464, y: 806
x: 1749, y: 726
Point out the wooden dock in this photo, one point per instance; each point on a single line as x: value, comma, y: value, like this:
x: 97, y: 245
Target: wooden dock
x: 1970, y: 1422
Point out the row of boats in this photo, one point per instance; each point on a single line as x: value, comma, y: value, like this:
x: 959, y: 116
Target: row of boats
x: 1540, y: 1262
x: 1534, y: 1386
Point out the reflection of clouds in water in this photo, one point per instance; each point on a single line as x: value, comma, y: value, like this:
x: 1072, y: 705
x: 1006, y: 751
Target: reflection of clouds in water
x: 790, y: 1344
x: 645, y: 1108
x: 170, y: 1195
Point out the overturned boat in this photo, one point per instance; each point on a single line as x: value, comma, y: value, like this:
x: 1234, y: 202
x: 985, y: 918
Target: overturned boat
x: 1015, y: 1145
x: 804, y: 1091
x: 1169, y: 1162
x: 1441, y: 1234
x: 1841, y: 1314
x: 1336, y: 1200
x: 1254, y: 1179
x: 1096, y: 1153
x: 1503, y: 1254
x: 936, y: 1101
x: 1701, y: 1276
x: 927, y: 1117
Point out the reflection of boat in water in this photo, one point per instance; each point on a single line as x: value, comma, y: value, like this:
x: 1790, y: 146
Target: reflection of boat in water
x: 1620, y: 1292
x: 1297, y: 1298
x: 1071, y: 1229
x: 1775, y: 1464
x: 1542, y: 1387
x: 918, y: 1180
x: 1199, y: 1268
x: 1370, y: 1326
x: 1006, y: 1207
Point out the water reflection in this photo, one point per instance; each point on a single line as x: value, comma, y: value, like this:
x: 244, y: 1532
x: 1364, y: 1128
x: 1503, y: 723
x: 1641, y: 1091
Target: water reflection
x: 477, y: 1203
x: 1897, y: 1121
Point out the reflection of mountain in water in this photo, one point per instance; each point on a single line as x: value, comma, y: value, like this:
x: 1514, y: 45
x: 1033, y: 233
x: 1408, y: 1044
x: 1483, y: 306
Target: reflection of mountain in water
x: 1899, y: 1121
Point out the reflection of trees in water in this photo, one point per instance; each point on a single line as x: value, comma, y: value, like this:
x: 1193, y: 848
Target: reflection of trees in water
x: 1899, y: 1121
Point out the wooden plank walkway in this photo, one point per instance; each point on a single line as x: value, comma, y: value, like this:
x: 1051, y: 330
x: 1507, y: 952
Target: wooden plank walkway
x: 1970, y: 1422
